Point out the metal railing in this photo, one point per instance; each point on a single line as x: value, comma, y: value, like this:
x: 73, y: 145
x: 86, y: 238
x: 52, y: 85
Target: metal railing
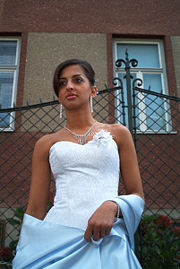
x: 154, y: 123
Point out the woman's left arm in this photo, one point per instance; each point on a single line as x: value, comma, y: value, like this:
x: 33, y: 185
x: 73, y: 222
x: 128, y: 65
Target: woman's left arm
x: 101, y: 221
x: 129, y: 167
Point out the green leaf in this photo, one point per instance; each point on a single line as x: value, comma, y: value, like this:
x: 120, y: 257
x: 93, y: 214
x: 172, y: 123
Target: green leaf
x: 13, y: 244
x: 19, y: 212
x: 14, y: 221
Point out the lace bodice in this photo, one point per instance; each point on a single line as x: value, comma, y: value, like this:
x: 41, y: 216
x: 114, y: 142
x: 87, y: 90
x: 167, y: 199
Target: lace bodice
x: 85, y: 176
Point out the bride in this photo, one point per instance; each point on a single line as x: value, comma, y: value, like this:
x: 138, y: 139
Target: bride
x: 89, y: 225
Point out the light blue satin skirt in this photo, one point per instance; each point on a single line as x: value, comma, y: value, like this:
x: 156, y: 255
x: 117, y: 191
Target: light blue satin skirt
x: 49, y: 245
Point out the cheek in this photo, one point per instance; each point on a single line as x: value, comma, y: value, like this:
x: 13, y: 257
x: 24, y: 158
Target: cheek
x: 60, y: 92
x: 86, y: 94
x: 60, y: 95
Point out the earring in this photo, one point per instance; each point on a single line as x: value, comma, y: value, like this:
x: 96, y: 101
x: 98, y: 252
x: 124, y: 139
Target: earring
x: 61, y: 111
x: 91, y: 104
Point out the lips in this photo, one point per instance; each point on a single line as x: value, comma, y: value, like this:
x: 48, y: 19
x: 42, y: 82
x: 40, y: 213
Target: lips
x: 71, y: 96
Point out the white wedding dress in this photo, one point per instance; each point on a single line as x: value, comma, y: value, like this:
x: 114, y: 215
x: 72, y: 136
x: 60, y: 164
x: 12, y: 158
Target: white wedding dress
x: 85, y: 177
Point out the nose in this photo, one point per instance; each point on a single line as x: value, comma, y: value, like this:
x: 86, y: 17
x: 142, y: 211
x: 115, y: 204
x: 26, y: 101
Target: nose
x: 69, y: 85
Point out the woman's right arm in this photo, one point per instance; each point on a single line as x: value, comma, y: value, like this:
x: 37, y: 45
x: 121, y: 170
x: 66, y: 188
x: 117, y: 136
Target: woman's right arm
x: 40, y: 179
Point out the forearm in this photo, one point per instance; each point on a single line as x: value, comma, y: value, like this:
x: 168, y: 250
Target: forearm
x: 36, y: 211
x: 116, y: 208
x: 132, y: 206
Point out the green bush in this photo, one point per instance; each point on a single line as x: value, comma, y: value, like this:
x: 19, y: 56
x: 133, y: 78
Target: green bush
x: 7, y: 253
x: 161, y: 242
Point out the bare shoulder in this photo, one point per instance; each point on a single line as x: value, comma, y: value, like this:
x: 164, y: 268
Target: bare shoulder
x: 44, y: 143
x: 120, y: 133
x: 119, y: 128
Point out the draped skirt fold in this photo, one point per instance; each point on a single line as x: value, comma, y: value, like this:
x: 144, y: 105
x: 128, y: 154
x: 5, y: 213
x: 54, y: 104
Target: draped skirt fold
x: 49, y: 245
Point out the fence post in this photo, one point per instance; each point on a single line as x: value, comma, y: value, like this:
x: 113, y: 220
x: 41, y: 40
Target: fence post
x: 131, y: 109
x: 128, y: 78
x: 129, y: 95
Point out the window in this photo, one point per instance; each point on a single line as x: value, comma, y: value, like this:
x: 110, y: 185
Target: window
x: 151, y: 110
x: 9, y: 65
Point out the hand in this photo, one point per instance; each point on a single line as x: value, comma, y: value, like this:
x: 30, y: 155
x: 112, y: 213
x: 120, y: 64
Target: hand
x: 101, y: 221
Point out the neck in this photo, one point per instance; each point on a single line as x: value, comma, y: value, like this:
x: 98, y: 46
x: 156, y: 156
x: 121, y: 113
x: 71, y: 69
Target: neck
x: 79, y: 120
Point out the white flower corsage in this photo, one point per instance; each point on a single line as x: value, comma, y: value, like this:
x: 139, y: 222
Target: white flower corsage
x: 102, y: 137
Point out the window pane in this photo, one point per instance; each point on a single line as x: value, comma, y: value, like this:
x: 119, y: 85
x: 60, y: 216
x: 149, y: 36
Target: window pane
x: 8, y: 52
x: 6, y: 86
x: 146, y: 54
x: 154, y: 105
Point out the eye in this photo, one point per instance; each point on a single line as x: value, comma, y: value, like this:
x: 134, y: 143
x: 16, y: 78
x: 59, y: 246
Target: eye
x: 78, y: 79
x: 62, y: 83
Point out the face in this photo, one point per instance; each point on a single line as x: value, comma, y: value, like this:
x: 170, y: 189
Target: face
x: 75, y: 88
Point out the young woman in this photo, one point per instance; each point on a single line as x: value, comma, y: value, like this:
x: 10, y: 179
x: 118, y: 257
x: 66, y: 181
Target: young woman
x: 89, y: 226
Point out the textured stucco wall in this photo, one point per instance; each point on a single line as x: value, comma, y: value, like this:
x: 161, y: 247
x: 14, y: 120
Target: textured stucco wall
x: 46, y: 50
x: 175, y: 40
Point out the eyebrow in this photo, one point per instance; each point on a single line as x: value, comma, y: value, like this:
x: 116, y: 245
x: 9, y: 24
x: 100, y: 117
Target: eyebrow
x: 76, y: 75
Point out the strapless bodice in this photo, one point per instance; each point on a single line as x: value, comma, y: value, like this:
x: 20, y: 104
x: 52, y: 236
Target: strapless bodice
x: 85, y: 176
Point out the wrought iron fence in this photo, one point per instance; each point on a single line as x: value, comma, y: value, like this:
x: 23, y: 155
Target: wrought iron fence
x: 157, y: 141
x: 155, y: 125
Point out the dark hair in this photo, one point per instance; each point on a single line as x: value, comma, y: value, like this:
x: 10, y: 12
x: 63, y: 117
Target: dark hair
x: 89, y: 72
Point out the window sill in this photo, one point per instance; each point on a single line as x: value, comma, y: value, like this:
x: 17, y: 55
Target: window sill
x: 9, y: 129
x: 156, y: 132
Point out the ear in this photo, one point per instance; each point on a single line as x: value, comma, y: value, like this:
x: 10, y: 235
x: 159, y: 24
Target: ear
x: 93, y: 91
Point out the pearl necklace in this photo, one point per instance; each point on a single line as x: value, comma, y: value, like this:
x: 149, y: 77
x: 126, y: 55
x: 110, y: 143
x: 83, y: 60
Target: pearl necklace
x: 81, y: 138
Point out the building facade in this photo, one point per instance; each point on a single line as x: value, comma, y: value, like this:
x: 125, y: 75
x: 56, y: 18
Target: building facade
x: 36, y: 35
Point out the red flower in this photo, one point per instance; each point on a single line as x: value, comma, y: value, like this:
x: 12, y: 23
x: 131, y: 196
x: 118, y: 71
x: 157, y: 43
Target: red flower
x: 6, y: 254
x: 176, y: 230
x: 163, y: 221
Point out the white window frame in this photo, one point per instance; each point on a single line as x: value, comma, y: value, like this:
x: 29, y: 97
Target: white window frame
x: 15, y: 69
x: 139, y: 74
